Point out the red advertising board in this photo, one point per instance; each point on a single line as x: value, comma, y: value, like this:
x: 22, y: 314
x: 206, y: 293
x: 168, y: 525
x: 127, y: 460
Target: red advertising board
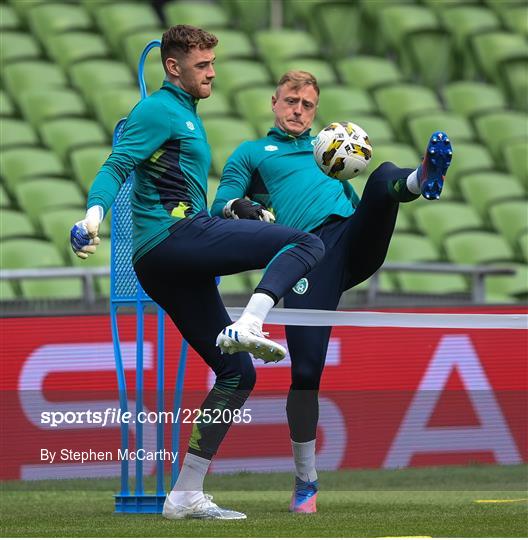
x: 391, y: 397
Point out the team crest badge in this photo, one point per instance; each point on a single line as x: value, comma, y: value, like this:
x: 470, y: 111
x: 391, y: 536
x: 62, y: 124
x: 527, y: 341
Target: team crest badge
x: 190, y: 125
x: 271, y: 148
x: 301, y: 286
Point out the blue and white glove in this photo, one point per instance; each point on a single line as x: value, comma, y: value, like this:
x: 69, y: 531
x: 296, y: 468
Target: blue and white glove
x: 84, y: 234
x: 246, y: 209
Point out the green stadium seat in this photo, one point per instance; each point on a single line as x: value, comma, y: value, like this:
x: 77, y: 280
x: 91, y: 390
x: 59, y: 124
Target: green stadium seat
x: 212, y: 187
x: 69, y: 48
x: 508, y: 288
x: 18, y: 46
x: 47, y: 289
x: 22, y: 8
x: 367, y: 72
x: 9, y: 19
x: 477, y: 248
x: 371, y: 13
x: 112, y: 104
x: 29, y: 253
x: 276, y: 45
x: 233, y: 75
x: 499, y: 5
x: 6, y: 106
x: 86, y: 163
x: 469, y: 98
x: 93, y: 6
x: 514, y: 76
x: 515, y: 18
x: 56, y: 225
x: 516, y: 154
x: 497, y: 128
x: 403, y: 221
x: 400, y: 154
x: 154, y: 76
x: 483, y: 189
x: 215, y: 105
x: 423, y: 46
x: 233, y: 44
x: 254, y: 104
x: 224, y: 135
x: 510, y: 218
x: 463, y: 21
x: 15, y: 224
x: 321, y: 69
x: 16, y: 133
x: 431, y: 283
x: 63, y: 135
x: 20, y: 164
x: 437, y: 221
x: 120, y: 19
x: 49, y: 19
x: 21, y: 76
x: 41, y: 104
x: 399, y: 101
x: 408, y: 247
x: 234, y: 284
x: 134, y: 44
x: 249, y: 16
x: 91, y: 76
x: 201, y: 14
x: 469, y: 158
x: 422, y: 126
x: 491, y: 48
x: 37, y: 196
x: 341, y: 103
x: 7, y: 291
x: 523, y: 244
x: 378, y: 129
x: 439, y: 6
x: 5, y: 201
x: 337, y: 27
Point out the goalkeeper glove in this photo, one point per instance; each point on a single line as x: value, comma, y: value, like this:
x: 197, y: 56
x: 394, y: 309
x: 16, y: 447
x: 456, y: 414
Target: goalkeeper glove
x: 83, y: 235
x: 245, y: 209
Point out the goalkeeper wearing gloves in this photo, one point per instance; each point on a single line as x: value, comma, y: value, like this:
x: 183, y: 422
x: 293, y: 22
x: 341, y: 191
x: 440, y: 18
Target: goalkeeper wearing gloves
x: 279, y: 173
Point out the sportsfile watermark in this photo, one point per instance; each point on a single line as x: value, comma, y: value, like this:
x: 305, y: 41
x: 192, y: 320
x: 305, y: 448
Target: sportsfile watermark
x: 115, y: 416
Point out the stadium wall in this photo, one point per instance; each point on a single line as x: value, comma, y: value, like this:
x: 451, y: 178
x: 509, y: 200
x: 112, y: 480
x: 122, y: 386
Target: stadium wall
x: 391, y: 397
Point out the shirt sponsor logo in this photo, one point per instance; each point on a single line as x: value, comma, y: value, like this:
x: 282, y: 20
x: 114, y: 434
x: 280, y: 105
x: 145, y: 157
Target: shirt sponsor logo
x: 190, y: 125
x: 271, y: 148
x: 301, y: 286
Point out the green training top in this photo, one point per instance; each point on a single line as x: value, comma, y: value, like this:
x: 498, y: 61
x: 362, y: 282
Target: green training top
x: 279, y: 172
x: 165, y: 143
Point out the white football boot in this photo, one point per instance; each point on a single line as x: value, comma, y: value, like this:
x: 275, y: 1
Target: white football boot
x: 238, y: 337
x: 203, y: 508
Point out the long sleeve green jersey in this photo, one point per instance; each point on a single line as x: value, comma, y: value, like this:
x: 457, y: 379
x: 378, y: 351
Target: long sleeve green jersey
x: 165, y: 143
x: 279, y: 172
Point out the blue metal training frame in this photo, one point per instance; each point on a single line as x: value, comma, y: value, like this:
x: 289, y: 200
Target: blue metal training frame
x: 125, y: 290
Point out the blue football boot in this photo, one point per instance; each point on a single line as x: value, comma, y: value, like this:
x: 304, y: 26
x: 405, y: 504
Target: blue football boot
x: 431, y: 173
x: 304, y: 497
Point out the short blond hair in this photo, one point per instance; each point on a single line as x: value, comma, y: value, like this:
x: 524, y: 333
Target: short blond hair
x: 297, y: 79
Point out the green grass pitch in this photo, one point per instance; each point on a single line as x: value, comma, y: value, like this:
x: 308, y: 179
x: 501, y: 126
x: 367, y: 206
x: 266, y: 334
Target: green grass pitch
x: 374, y: 503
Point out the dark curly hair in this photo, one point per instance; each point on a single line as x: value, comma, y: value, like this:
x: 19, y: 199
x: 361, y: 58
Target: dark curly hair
x: 182, y: 38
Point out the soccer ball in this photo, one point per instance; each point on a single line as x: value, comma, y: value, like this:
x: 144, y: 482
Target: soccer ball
x: 342, y: 150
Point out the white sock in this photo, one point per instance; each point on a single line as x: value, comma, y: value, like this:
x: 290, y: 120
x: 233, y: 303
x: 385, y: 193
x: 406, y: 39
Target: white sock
x: 413, y: 185
x: 189, y: 486
x: 304, y: 458
x: 257, y: 310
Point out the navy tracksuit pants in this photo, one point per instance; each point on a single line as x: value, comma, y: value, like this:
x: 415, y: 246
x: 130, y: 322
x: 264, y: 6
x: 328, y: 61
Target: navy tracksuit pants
x: 179, y: 275
x: 355, y: 247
